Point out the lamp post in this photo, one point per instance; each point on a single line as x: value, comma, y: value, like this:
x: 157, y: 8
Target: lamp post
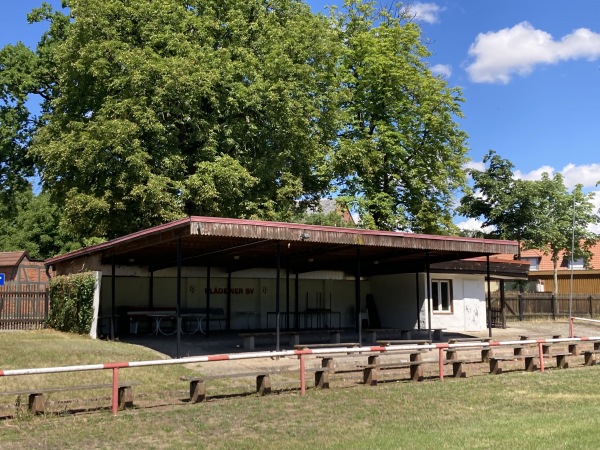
x: 571, y: 282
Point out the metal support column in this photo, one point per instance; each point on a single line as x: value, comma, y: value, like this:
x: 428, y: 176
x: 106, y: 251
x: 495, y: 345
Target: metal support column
x: 113, y: 300
x: 287, y: 298
x: 297, y: 304
x: 429, y: 302
x: 151, y: 290
x: 208, y: 299
x: 357, y: 296
x: 228, y: 321
x: 178, y: 321
x: 489, y: 295
x: 418, y: 301
x: 278, y: 274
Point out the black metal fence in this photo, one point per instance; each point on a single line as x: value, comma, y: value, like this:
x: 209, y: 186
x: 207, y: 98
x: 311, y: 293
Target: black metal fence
x: 545, y: 305
x: 23, y: 307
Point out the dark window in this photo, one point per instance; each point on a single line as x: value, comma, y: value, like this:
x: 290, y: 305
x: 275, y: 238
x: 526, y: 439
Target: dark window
x: 441, y: 295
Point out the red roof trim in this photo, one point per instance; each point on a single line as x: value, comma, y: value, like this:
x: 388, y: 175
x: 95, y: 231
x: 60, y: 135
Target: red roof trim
x: 130, y: 237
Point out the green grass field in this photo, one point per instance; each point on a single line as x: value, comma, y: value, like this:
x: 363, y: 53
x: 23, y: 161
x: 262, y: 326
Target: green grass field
x: 555, y: 409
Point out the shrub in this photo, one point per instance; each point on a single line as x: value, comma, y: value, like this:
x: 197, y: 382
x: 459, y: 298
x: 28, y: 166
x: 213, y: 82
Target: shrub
x: 72, y: 303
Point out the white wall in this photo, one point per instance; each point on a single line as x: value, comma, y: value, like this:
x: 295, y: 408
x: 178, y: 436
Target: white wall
x: 468, y: 307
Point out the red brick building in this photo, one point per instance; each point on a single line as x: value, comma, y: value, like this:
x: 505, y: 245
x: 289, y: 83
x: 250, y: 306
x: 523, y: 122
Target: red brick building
x: 19, y: 269
x: 586, y: 273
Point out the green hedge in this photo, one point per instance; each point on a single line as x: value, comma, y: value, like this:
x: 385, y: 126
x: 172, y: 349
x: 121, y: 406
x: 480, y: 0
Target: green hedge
x: 72, y: 303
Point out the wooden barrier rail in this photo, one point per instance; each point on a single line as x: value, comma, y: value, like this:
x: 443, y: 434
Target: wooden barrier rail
x: 301, y: 354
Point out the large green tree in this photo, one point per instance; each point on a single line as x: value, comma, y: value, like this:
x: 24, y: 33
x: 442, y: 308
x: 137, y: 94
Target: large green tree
x: 33, y: 225
x: 511, y: 208
x: 568, y: 216
x: 400, y: 155
x: 540, y: 214
x: 155, y: 110
x: 170, y: 108
x: 17, y: 72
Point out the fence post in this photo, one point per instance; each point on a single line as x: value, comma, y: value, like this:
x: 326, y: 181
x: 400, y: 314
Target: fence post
x: 521, y: 306
x: 591, y: 308
x: 553, y: 307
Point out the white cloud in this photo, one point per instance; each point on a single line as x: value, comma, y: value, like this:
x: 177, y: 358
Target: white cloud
x: 535, y: 174
x: 498, y: 55
x: 425, y: 12
x: 477, y: 165
x: 444, y: 70
x: 473, y: 224
x: 587, y: 175
x: 596, y: 202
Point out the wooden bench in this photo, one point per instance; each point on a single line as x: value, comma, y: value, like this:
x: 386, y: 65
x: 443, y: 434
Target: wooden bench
x: 546, y: 346
x: 331, y: 345
x: 198, y: 384
x: 263, y: 381
x: 387, y: 342
x: 415, y: 364
x: 37, y: 399
x: 486, y: 352
x: 436, y: 332
x: 562, y: 361
x: 496, y: 362
x: 372, y: 333
x: 294, y: 336
x: 589, y: 356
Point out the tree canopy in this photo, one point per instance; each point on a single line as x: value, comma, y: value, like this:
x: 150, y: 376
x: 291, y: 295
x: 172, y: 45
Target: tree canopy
x: 152, y: 111
x: 540, y: 214
x: 178, y: 108
x: 400, y: 153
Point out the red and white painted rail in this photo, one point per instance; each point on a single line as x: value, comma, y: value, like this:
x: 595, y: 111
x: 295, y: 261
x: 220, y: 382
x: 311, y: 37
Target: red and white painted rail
x: 301, y: 354
x: 572, y: 324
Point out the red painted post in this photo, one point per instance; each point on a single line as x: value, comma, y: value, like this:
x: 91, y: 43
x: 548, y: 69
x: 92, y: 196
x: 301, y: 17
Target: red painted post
x: 541, y: 356
x: 571, y: 320
x: 302, y: 380
x: 115, y: 391
x: 441, y: 363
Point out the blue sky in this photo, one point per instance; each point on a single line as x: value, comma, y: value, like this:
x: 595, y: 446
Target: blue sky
x: 529, y: 70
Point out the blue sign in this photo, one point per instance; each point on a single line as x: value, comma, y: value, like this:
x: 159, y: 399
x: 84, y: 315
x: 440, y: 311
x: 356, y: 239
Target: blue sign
x: 1, y: 279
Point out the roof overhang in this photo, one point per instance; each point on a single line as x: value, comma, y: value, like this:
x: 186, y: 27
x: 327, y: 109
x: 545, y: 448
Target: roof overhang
x: 239, y: 244
x: 500, y: 269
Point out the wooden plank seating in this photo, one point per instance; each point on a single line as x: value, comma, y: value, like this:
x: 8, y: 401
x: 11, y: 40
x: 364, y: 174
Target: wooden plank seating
x: 372, y: 333
x: 198, y: 384
x: 415, y: 365
x: 562, y: 361
x: 386, y: 342
x: 486, y: 352
x: 37, y: 397
x: 437, y: 333
x: 263, y: 381
x: 589, y: 356
x: 327, y: 345
x: 545, y: 346
x: 496, y: 362
x: 294, y: 336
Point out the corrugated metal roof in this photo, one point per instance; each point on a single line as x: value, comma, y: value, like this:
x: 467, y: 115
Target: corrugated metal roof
x: 305, y: 247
